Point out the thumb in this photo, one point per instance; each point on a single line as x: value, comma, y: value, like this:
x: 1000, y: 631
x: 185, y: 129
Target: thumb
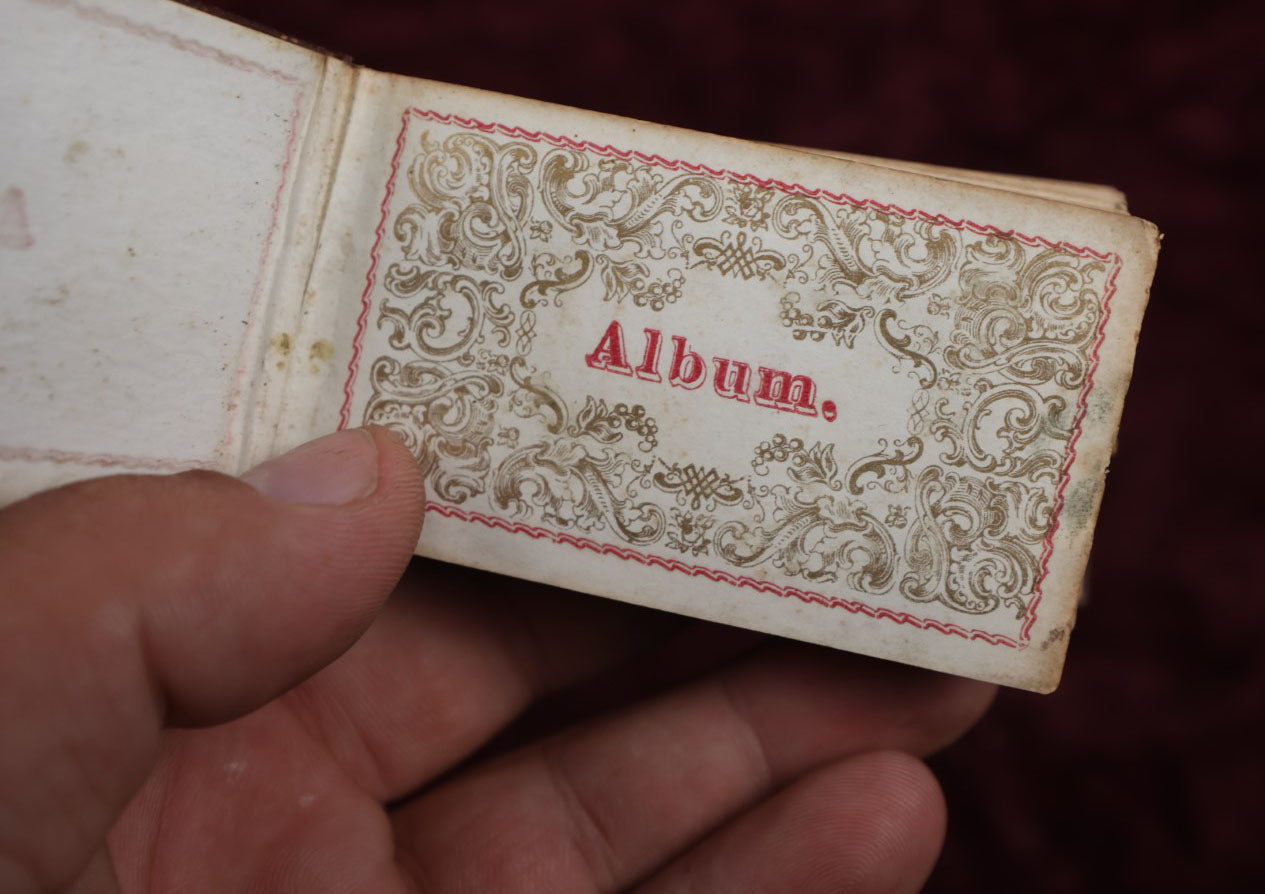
x: 134, y: 601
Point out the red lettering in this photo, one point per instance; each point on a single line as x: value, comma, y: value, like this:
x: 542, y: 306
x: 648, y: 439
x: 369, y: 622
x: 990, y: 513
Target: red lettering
x: 688, y: 369
x: 783, y: 391
x: 609, y: 353
x: 649, y: 368
x: 737, y: 388
x: 777, y: 389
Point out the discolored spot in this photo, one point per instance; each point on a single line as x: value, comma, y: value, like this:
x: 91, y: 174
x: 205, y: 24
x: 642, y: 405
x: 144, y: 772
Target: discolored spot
x: 322, y: 349
x: 322, y: 352
x: 14, y: 231
x: 1054, y: 636
x: 75, y: 151
x: 1078, y: 504
x: 280, y: 346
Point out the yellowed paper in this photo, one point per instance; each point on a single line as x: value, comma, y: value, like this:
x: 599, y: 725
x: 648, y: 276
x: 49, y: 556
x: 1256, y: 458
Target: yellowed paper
x: 1092, y: 195
x: 835, y: 401
x: 862, y: 403
x: 160, y: 173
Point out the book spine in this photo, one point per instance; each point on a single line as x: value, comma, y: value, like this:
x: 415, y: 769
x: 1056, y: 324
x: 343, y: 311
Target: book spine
x: 283, y: 359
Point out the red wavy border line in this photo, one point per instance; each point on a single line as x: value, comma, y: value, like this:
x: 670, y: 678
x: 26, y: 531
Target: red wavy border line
x: 1082, y: 404
x: 838, y: 198
x: 185, y: 44
x: 737, y: 580
x: 344, y: 413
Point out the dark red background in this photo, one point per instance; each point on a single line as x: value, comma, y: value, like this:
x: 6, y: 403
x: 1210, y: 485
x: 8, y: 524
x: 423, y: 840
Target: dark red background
x: 1145, y: 768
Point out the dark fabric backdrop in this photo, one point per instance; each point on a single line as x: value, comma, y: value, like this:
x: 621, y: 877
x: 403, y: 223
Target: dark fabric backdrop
x: 1145, y: 768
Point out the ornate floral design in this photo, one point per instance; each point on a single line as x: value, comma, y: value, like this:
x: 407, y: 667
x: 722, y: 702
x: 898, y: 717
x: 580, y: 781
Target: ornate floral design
x: 555, y: 276
x: 868, y: 253
x: 574, y: 486
x: 972, y: 546
x: 496, y: 237
x: 473, y: 201
x: 616, y: 204
x: 697, y: 485
x: 817, y: 541
x: 1028, y: 315
x: 436, y: 296
x: 445, y: 418
x: 747, y: 206
x: 1026, y: 437
x: 901, y: 346
x: 834, y: 318
x: 603, y: 424
x: 689, y: 532
x: 736, y: 255
x: 810, y: 531
x: 889, y: 467
x: 843, y: 323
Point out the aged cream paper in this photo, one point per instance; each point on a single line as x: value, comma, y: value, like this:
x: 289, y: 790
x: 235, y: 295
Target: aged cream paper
x: 1091, y: 195
x: 862, y: 403
x: 159, y: 186
x: 831, y: 400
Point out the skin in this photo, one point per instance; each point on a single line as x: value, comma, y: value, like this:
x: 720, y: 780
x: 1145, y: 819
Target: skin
x: 206, y: 689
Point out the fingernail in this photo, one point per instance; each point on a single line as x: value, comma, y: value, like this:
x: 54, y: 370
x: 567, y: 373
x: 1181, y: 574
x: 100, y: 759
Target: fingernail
x: 329, y: 471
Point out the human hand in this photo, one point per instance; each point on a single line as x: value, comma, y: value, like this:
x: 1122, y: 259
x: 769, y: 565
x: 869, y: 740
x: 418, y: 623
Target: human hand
x: 182, y: 708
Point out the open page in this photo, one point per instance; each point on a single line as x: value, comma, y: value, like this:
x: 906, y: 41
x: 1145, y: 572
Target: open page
x: 830, y: 400
x: 863, y: 403
x: 159, y: 184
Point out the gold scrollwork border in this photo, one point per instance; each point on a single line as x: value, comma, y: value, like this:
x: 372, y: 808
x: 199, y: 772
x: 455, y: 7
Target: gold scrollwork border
x: 502, y: 224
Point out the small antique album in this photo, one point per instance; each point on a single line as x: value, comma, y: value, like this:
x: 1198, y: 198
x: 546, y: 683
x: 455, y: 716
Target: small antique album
x: 851, y: 401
